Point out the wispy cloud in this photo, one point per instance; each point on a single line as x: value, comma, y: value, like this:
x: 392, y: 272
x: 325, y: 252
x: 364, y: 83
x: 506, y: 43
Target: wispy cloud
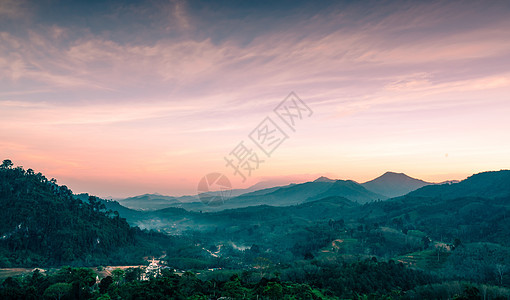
x: 205, y: 78
x: 13, y: 9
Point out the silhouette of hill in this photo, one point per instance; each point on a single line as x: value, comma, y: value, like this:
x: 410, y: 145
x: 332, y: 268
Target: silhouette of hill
x: 149, y: 202
x: 45, y: 224
x: 392, y: 184
x: 324, y: 179
x: 492, y: 184
x: 350, y: 190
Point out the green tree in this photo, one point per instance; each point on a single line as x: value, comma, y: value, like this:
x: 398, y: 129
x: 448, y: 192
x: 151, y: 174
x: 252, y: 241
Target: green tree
x: 58, y: 291
x: 273, y: 290
x: 105, y: 283
x: 118, y: 275
x: 426, y: 242
x: 234, y: 289
x: 6, y: 164
x: 133, y: 274
x: 82, y: 280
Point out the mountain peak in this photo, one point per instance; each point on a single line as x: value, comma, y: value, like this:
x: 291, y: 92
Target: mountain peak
x: 324, y: 179
x: 395, y: 174
x: 394, y: 184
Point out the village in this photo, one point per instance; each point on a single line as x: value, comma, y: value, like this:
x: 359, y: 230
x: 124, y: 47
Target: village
x: 118, y: 273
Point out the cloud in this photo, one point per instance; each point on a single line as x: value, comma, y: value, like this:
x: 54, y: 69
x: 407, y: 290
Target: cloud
x: 13, y: 9
x: 307, y: 57
x: 156, y: 82
x: 353, y: 63
x: 180, y: 14
x: 334, y: 65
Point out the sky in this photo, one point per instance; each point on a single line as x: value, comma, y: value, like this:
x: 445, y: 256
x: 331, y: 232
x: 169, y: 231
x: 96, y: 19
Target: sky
x: 120, y: 98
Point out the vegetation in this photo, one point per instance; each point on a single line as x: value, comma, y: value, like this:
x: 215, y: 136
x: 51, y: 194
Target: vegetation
x: 367, y: 279
x: 440, y: 242
x: 44, y: 224
x: 83, y: 283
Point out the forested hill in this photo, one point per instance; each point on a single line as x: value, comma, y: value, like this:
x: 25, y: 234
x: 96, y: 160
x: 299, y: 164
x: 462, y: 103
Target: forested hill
x: 43, y: 224
x: 493, y: 184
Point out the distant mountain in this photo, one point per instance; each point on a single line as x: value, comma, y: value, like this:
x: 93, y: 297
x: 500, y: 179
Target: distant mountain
x: 389, y: 185
x: 279, y: 196
x: 266, y: 184
x: 323, y: 179
x: 392, y: 184
x: 149, y: 202
x: 294, y: 194
x: 262, y: 193
x: 174, y: 220
x: 238, y: 198
x: 350, y: 190
x: 492, y: 184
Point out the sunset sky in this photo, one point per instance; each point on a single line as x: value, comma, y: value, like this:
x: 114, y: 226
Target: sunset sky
x: 119, y: 98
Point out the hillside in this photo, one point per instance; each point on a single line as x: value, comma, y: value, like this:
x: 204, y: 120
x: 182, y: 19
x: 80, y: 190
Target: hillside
x: 350, y: 190
x: 295, y: 194
x: 392, y: 184
x: 487, y: 184
x: 149, y: 202
x: 44, y: 224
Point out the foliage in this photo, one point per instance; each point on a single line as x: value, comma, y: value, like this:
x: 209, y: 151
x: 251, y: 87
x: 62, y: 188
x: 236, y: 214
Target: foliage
x: 44, y: 224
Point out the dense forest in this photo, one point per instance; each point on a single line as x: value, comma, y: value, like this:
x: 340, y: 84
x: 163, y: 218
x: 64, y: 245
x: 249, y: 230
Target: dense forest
x: 43, y: 224
x: 367, y: 279
x: 361, y: 280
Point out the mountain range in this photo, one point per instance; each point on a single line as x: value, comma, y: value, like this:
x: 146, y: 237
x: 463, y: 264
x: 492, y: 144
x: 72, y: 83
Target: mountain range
x: 322, y: 191
x: 386, y: 186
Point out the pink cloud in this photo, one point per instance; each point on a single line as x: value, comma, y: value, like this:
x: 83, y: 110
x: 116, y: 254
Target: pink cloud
x: 169, y: 109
